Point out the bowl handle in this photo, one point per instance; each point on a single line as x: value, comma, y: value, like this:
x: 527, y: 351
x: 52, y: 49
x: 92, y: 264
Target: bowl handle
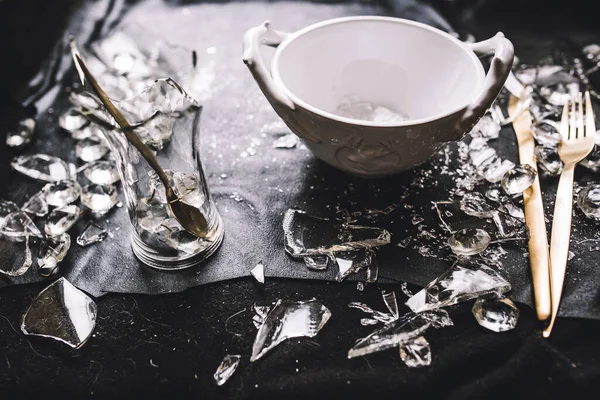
x: 500, y: 67
x: 254, y: 37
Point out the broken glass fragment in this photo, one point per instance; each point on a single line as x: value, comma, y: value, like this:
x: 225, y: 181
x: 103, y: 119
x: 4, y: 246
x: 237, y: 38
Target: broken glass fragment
x: 92, y: 233
x: 60, y: 220
x: 99, y: 198
x: 494, y: 175
x: 226, y: 368
x: 374, y: 314
x: 59, y: 194
x: 398, y: 332
x: 438, y: 318
x: 42, y: 166
x: 416, y: 353
x: 546, y: 133
x: 588, y: 201
x: 486, y: 128
x: 518, y: 179
x: 306, y: 235
x: 12, y: 267
x: 289, y: 319
x: 7, y: 207
x: 90, y: 132
x: 509, y: 227
x: 468, y: 242
x: 258, y: 272
x: 372, y: 272
x: 316, y: 263
x: 61, y: 312
x: 548, y: 160
x: 405, y: 290
x: 72, y: 120
x: 90, y: 149
x: 22, y: 134
x: 474, y: 204
x: 360, y: 286
x: 498, y: 315
x: 287, y: 141
x: 260, y: 316
x: 592, y: 161
x: 389, y: 298
x: 350, y: 263
x: 368, y: 321
x: 52, y: 251
x: 102, y: 172
x: 466, y: 279
x: 17, y: 226
x: 404, y: 242
x: 36, y: 205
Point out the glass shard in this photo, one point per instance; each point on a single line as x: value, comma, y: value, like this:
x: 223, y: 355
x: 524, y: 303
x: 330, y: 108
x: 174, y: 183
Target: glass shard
x: 260, y: 315
x: 306, y: 235
x: 17, y: 226
x: 374, y: 314
x: 99, y: 198
x: 289, y: 319
x: 389, y: 298
x: 474, y: 204
x: 59, y: 194
x: 16, y: 267
x: 372, y: 272
x: 61, y: 312
x: 465, y: 280
x: 498, y: 315
x: 61, y: 220
x: 416, y: 353
x: 226, y: 368
x: 546, y: 133
x: 497, y: 173
x: 102, y: 172
x: 368, y: 321
x: 351, y: 262
x: 258, y: 272
x: 22, y: 134
x: 398, y: 332
x: 287, y: 141
x: 7, y: 207
x: 316, y: 263
x: 90, y: 149
x: 42, y: 167
x: 92, y: 233
x: 588, y: 201
x: 486, y: 128
x: 438, y: 318
x: 548, y: 160
x: 518, y: 179
x: 468, y: 242
x: 72, y: 120
x: 36, y: 205
x: 404, y: 242
x: 52, y: 251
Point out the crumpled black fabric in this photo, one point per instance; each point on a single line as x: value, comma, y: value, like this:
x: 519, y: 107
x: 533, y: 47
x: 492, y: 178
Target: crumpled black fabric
x: 271, y: 181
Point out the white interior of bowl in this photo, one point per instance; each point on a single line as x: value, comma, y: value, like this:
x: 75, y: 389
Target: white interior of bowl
x: 411, y: 68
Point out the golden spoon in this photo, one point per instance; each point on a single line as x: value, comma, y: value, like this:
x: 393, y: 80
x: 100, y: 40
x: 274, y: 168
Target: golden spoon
x: 190, y: 217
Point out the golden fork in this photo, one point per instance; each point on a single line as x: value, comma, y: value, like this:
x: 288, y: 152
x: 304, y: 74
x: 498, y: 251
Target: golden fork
x: 577, y: 129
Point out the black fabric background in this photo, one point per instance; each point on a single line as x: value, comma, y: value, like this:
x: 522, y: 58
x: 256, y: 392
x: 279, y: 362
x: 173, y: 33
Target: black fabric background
x: 186, y: 334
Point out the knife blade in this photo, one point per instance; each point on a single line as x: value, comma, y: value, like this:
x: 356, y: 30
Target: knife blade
x: 539, y: 258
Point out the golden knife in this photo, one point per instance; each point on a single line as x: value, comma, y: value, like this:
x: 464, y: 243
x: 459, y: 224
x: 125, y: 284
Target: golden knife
x: 534, y: 209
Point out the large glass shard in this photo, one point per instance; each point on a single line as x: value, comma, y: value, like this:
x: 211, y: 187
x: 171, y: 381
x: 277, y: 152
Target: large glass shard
x: 416, y: 353
x: 438, y: 318
x: 90, y: 149
x: 548, y: 160
x: 316, y: 263
x: 36, y: 205
x: 18, y: 266
x: 497, y: 173
x: 7, y: 207
x: 17, y: 226
x: 468, y: 242
x: 61, y: 312
x: 61, y: 220
x: 92, y: 233
x: 518, y: 179
x: 474, y: 204
x: 588, y: 201
x: 42, y: 167
x: 258, y: 272
x: 289, y: 319
x: 389, y: 298
x: 465, y: 280
x: 398, y: 332
x: 102, y: 172
x: 99, y: 198
x: 498, y: 315
x: 59, y: 194
x: 226, y: 368
x: 22, y: 134
x: 382, y: 317
x: 306, y: 235
x: 52, y: 251
x: 350, y: 263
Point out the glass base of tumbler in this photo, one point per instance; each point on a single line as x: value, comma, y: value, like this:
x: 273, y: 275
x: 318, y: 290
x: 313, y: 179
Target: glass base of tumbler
x: 154, y: 259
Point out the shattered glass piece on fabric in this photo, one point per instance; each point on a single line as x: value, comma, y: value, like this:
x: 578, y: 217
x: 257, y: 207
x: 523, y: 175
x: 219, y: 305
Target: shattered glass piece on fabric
x: 102, y: 172
x: 306, y: 235
x: 389, y: 298
x: 36, y: 205
x: 438, y: 318
x: 289, y: 319
x: 7, y: 207
x: 372, y: 272
x: 287, y: 141
x: 416, y: 353
x: 92, y: 233
x: 72, y: 120
x: 513, y: 210
x: 60, y: 220
x: 473, y: 203
x: 17, y: 226
x: 404, y: 242
x: 588, y: 201
x: 486, y: 128
x: 19, y: 266
x: 405, y: 290
x: 21, y: 134
x: 99, y: 198
x: 498, y: 315
x: 495, y: 175
x: 382, y: 317
x: 52, y: 251
x: 548, y: 160
x: 258, y: 272
x: 518, y: 179
x: 509, y: 227
x: 344, y: 267
x: 465, y: 280
x: 89, y: 132
x: 59, y: 194
x: 61, y: 312
x: 398, y: 332
x: 42, y: 167
x: 350, y: 263
x: 368, y: 321
x: 260, y: 315
x: 316, y: 263
x: 90, y: 149
x: 468, y: 242
x: 226, y: 368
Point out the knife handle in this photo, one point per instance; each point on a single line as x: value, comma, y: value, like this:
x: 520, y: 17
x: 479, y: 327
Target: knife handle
x: 538, y: 249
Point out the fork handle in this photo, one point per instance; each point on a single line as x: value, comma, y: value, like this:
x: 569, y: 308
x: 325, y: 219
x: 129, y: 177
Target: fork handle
x: 559, y: 241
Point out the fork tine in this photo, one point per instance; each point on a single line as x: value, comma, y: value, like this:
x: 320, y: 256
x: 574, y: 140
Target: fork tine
x: 573, y: 119
x: 564, y: 121
x: 590, y: 124
x: 579, y: 119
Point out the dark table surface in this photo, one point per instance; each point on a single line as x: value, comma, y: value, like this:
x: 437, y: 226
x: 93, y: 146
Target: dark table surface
x: 170, y: 345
